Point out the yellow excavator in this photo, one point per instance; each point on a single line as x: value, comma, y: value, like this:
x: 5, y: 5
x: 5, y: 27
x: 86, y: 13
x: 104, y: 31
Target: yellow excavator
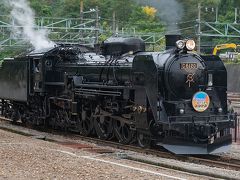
x: 225, y: 46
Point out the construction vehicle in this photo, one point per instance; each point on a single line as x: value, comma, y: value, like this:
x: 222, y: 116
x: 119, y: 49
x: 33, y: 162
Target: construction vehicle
x: 224, y: 46
x: 232, y: 55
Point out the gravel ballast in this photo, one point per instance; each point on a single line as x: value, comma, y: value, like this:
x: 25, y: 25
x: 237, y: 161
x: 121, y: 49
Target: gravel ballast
x: 29, y: 158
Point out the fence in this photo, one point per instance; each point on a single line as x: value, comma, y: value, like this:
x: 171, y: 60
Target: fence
x: 236, y: 130
x: 1, y: 107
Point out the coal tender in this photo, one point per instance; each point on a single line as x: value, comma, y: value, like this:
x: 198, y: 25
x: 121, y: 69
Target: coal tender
x: 176, y: 98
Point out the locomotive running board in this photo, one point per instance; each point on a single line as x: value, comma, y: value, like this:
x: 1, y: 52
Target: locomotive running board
x: 175, y: 146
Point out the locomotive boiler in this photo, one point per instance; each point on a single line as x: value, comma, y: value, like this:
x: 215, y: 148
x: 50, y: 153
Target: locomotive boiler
x: 176, y: 98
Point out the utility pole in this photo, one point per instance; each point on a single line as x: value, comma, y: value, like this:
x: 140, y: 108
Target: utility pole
x: 81, y: 9
x: 216, y: 14
x: 199, y: 28
x: 81, y: 20
x: 236, y: 14
x: 114, y: 23
x: 97, y: 25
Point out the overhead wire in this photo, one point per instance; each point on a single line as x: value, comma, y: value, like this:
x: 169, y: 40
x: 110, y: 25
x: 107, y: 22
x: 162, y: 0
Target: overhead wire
x: 157, y: 24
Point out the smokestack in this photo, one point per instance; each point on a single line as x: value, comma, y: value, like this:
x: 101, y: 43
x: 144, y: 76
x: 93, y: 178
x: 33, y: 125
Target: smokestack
x: 171, y: 40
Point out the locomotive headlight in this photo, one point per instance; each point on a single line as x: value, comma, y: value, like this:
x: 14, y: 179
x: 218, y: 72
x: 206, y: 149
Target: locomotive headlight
x: 180, y: 44
x: 220, y: 110
x: 190, y: 45
x: 181, y: 111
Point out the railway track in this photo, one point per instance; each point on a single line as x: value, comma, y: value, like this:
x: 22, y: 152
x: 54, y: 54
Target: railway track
x: 208, y: 160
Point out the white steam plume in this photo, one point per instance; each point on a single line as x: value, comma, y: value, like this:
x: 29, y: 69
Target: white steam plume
x: 25, y: 27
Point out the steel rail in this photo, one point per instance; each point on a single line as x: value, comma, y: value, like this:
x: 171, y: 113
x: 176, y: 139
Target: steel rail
x: 208, y: 160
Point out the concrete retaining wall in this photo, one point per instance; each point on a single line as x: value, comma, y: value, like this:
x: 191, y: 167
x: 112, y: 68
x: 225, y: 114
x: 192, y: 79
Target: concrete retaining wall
x: 233, y: 77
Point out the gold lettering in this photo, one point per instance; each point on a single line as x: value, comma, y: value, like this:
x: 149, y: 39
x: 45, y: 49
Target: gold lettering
x: 188, y: 66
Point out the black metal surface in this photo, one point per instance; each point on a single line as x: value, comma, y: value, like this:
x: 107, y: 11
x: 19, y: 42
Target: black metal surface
x: 176, y: 79
x: 178, y: 146
x: 171, y: 40
x: 145, y: 74
x: 14, y: 80
x: 119, y: 46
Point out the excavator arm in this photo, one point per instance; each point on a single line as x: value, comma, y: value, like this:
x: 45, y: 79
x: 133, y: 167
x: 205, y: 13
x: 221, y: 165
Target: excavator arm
x: 224, y: 46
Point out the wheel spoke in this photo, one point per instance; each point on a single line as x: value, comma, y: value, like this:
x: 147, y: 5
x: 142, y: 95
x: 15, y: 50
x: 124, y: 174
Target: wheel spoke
x: 103, y: 127
x: 85, y: 126
x: 123, y: 132
x: 143, y: 140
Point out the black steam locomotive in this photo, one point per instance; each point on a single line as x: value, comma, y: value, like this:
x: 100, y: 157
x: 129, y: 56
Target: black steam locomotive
x: 176, y: 98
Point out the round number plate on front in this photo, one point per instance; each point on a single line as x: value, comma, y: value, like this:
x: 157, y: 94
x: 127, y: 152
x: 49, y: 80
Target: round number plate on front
x: 200, y: 101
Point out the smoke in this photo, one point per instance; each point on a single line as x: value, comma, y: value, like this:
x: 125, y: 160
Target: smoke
x: 170, y: 11
x: 24, y: 24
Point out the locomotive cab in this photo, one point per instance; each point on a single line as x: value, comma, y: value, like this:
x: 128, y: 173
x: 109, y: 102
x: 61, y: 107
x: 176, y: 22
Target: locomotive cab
x: 37, y: 73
